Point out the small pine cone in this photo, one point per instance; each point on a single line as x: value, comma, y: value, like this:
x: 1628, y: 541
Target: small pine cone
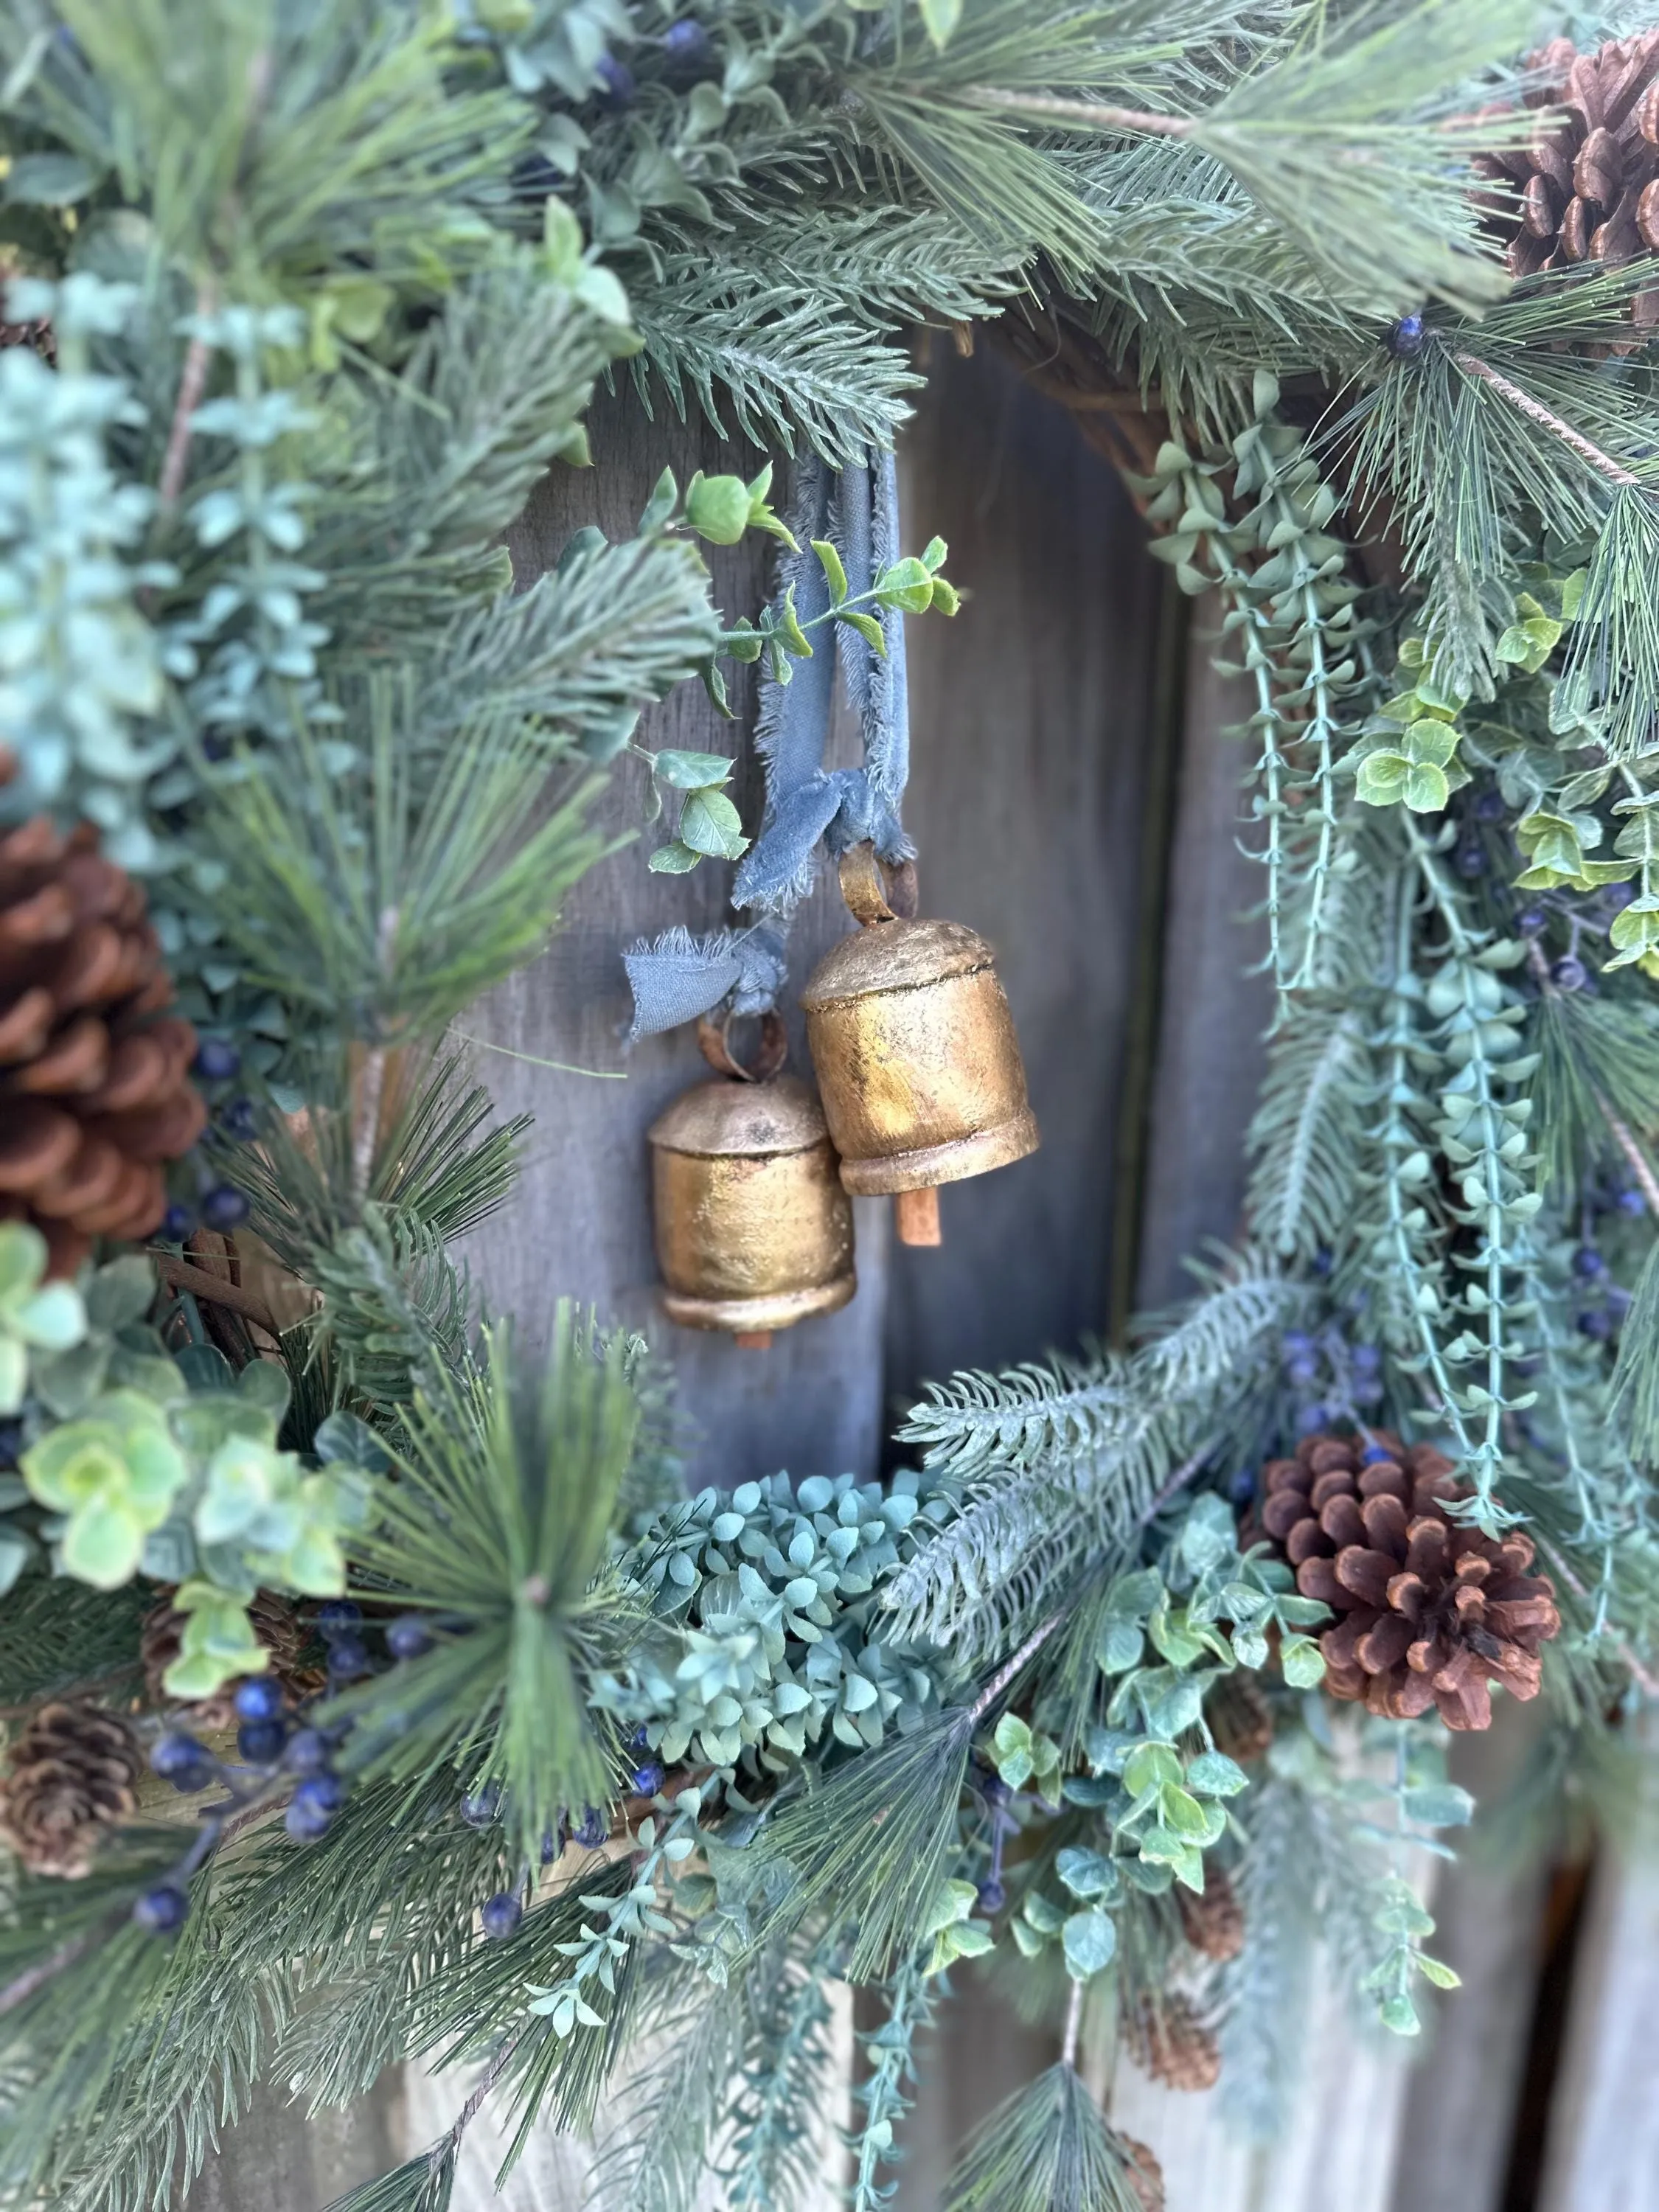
x: 94, y: 1090
x: 1212, y: 1922
x: 1241, y: 1719
x: 70, y: 1775
x: 1586, y: 188
x: 1431, y: 1611
x: 1143, y: 2173
x: 278, y: 1627
x: 1174, y: 2045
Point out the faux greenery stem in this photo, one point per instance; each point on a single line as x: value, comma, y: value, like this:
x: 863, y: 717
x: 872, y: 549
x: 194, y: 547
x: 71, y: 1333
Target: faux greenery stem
x: 1236, y: 586
x: 1094, y: 113
x: 1546, y: 418
x: 192, y: 382
x: 1398, y: 1141
x: 1324, y: 722
x: 1488, y: 1458
x: 1006, y: 1673
x: 1073, y: 2027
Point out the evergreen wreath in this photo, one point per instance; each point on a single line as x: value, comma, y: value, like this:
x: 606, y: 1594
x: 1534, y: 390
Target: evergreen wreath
x: 538, y: 1762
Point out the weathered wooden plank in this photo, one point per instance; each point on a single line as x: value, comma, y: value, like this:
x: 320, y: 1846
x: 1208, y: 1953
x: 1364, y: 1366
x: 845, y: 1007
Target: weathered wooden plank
x: 1031, y: 718
x: 1603, y: 2154
x: 1215, y: 1002
x: 1458, y: 2125
x: 274, y: 2160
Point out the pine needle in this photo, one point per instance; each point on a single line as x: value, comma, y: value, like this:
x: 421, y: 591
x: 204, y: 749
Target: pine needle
x: 1636, y: 1378
x: 497, y: 1527
x: 423, y: 2184
x: 1047, y: 2149
x: 870, y: 1845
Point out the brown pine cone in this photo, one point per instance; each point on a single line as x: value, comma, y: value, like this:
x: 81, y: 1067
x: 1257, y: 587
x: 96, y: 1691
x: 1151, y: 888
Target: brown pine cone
x: 94, y: 1090
x: 1170, y: 2042
x: 70, y: 1776
x: 1431, y: 1611
x: 278, y: 1627
x: 1212, y: 1922
x: 1587, y: 187
x: 1241, y: 1720
x: 1143, y: 2173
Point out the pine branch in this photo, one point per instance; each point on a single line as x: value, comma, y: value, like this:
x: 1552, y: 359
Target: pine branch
x: 1047, y: 2145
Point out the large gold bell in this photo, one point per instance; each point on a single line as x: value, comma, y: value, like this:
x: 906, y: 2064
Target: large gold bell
x: 754, y: 1228
x: 915, y: 1054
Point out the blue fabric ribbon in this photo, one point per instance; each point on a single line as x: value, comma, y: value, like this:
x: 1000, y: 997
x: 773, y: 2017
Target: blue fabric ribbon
x: 680, y: 976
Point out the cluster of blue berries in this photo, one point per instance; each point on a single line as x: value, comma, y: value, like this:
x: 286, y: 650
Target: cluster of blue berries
x: 1593, y: 912
x: 499, y: 1915
x: 1472, y: 855
x: 271, y: 1742
x: 685, y: 46
x: 218, y: 1204
x: 1332, y: 1377
x: 1605, y: 1302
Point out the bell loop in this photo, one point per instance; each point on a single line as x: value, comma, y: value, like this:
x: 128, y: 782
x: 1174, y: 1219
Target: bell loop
x: 714, y: 1041
x: 876, y: 891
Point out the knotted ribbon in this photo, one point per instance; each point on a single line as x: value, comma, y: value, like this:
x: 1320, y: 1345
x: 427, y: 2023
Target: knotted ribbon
x: 679, y: 975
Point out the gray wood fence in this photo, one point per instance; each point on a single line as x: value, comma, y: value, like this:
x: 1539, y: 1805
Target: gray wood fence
x: 1075, y: 800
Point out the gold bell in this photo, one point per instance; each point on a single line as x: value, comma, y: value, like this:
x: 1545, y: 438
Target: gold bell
x: 914, y: 1050
x: 753, y: 1231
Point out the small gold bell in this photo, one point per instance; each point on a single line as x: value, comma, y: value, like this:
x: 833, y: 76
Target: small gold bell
x: 753, y: 1230
x: 915, y: 1051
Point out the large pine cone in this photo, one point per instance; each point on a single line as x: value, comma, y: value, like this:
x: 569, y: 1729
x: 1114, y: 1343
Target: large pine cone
x: 1170, y: 2041
x: 94, y: 1089
x: 1432, y: 1611
x: 1589, y: 183
x: 70, y: 1775
x: 1211, y: 1920
x: 278, y: 1627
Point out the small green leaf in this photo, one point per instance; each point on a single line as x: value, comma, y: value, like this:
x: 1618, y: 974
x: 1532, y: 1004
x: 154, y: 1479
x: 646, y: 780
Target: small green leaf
x: 1182, y: 1811
x: 868, y: 629
x: 1304, y: 1663
x: 1152, y: 1767
x: 1212, y: 1774
x: 1399, y: 2015
x: 1438, y: 1805
x: 1436, y: 1971
x: 665, y: 495
x: 941, y: 18
x: 906, y: 584
x: 1426, y: 789
x: 49, y: 180
x: 1090, y: 1942
x: 1382, y: 778
x: 1119, y: 1647
x: 1086, y: 1873
x: 675, y: 860
x: 688, y: 771
x: 710, y: 824
x: 794, y: 638
x: 717, y: 507
x: 833, y: 575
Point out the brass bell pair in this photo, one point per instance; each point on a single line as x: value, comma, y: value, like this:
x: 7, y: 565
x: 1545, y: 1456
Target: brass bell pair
x: 921, y: 1083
